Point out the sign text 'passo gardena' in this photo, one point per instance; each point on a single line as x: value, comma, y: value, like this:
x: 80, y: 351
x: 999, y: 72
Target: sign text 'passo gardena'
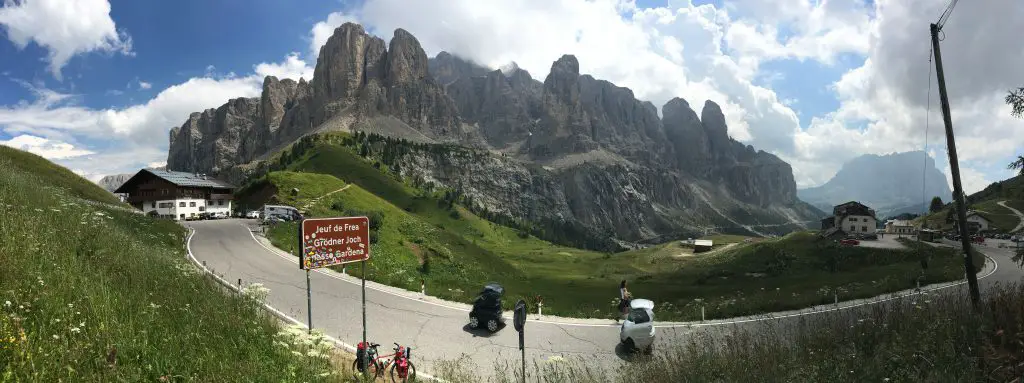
x: 334, y: 241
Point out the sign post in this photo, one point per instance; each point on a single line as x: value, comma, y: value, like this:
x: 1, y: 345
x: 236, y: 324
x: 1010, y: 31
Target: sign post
x: 327, y: 242
x: 520, y: 324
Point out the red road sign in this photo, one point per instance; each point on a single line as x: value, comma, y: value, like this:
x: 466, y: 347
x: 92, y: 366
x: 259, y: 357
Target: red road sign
x: 334, y: 241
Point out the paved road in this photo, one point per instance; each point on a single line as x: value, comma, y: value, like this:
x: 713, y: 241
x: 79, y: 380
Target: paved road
x: 437, y: 332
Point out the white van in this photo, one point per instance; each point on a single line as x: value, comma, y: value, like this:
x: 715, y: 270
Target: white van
x: 280, y: 212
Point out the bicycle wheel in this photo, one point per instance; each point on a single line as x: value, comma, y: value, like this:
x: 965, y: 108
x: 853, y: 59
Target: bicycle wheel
x: 373, y: 370
x: 409, y: 377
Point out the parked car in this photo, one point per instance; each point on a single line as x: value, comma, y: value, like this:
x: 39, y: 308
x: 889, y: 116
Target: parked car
x: 637, y: 331
x: 254, y: 214
x: 487, y: 308
x: 219, y: 215
x: 849, y: 242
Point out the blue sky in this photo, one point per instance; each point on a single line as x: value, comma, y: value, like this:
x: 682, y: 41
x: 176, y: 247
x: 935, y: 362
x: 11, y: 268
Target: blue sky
x: 173, y: 41
x: 802, y: 80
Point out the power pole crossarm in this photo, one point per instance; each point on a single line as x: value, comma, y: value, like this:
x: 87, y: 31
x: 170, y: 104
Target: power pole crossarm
x: 954, y: 167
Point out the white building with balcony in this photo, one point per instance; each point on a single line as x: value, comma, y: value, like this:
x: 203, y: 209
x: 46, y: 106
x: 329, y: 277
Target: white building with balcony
x: 177, y: 195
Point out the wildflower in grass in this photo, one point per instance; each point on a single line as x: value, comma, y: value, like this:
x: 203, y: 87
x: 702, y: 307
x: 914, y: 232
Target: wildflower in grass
x: 75, y: 330
x: 7, y: 303
x: 56, y: 337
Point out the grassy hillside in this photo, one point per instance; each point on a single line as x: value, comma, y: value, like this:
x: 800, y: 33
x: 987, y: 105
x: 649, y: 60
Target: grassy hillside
x: 1012, y: 189
x: 92, y: 293
x: 456, y: 252
x: 1000, y: 218
x: 55, y: 176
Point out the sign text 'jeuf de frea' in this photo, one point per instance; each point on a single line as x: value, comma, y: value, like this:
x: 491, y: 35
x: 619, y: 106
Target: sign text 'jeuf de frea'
x: 334, y: 241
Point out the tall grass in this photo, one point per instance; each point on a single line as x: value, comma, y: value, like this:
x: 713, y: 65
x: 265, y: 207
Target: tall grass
x: 90, y: 293
x: 922, y: 339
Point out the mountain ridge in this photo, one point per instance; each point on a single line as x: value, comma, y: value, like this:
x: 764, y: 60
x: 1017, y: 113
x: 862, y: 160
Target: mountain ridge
x: 886, y: 183
x: 591, y: 141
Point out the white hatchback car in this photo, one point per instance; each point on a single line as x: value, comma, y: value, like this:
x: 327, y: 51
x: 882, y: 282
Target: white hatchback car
x: 637, y: 332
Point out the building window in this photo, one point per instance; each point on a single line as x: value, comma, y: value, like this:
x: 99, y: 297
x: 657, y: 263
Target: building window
x: 163, y: 191
x: 202, y: 208
x: 864, y: 229
x: 152, y: 204
x: 192, y: 204
x: 220, y: 202
x: 183, y: 216
x: 865, y: 219
x: 181, y: 204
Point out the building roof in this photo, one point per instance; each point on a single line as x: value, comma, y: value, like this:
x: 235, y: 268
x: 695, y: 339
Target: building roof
x: 853, y: 208
x: 178, y: 179
x: 702, y: 242
x: 900, y: 222
x: 974, y: 213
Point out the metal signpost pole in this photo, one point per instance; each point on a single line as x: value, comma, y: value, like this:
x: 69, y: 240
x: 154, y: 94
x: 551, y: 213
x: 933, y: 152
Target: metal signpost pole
x: 520, y: 323
x: 309, y: 295
x: 364, y: 300
x: 309, y: 304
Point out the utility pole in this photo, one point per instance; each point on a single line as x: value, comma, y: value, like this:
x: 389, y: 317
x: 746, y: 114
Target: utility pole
x: 954, y: 166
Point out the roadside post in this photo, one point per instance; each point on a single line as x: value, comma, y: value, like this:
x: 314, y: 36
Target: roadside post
x: 540, y: 306
x: 520, y: 323
x: 325, y: 242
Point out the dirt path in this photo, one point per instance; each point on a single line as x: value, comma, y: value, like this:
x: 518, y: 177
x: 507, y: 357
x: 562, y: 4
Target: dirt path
x: 1020, y: 225
x: 317, y: 199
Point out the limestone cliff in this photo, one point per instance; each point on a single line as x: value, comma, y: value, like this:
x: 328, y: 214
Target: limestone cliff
x: 571, y: 148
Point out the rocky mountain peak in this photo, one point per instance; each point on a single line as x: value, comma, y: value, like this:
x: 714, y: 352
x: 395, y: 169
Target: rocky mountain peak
x: 677, y: 109
x: 562, y: 81
x: 407, y: 62
x: 446, y: 68
x: 566, y: 67
x: 340, y: 67
x: 714, y: 124
x: 509, y: 69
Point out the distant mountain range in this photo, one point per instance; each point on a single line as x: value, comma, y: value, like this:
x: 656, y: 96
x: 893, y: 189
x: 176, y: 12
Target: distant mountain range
x: 891, y: 184
x: 114, y: 181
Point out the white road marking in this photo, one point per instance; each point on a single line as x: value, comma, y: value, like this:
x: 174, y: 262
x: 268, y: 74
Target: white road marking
x: 766, y: 317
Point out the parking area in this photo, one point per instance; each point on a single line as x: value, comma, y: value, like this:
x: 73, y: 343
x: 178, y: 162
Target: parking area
x: 887, y: 241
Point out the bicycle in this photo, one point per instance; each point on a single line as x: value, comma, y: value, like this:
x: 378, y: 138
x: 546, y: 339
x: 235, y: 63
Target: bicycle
x: 402, y: 365
x: 402, y: 369
x: 369, y: 354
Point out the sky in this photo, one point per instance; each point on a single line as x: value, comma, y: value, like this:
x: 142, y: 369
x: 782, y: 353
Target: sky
x: 95, y: 85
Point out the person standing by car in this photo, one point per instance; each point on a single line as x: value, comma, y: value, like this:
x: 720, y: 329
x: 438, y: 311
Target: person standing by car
x: 624, y: 298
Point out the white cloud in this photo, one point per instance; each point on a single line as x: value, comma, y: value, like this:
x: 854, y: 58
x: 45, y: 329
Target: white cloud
x: 323, y: 30
x: 156, y: 164
x: 48, y: 149
x: 140, y: 123
x: 120, y: 140
x: 144, y: 85
x: 64, y: 28
x: 292, y: 67
x: 970, y: 179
